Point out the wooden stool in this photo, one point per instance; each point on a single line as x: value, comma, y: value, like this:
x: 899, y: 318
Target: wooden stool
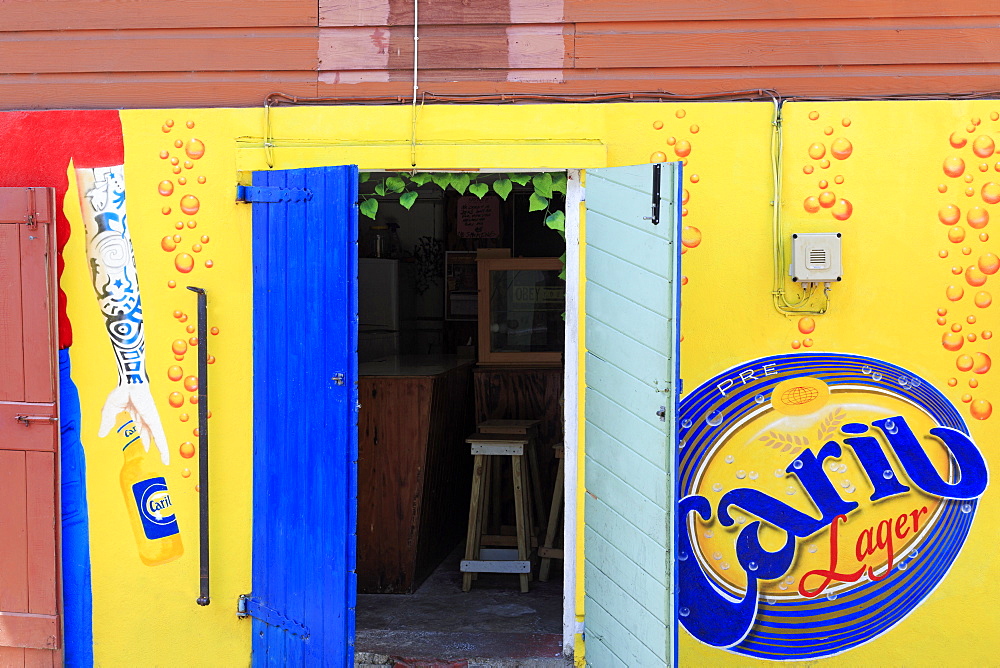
x: 486, y: 448
x: 528, y: 429
x: 547, y: 552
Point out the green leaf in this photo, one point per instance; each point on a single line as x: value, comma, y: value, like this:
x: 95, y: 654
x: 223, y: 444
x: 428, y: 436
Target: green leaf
x: 364, y: 176
x: 479, y: 189
x: 421, y: 178
x: 502, y: 187
x: 520, y: 179
x: 460, y: 182
x: 556, y: 221
x: 407, y: 199
x: 395, y: 184
x: 543, y: 184
x: 442, y: 180
x: 562, y: 258
x: 380, y: 189
x: 368, y: 207
x: 559, y: 182
x: 537, y: 203
x: 562, y: 276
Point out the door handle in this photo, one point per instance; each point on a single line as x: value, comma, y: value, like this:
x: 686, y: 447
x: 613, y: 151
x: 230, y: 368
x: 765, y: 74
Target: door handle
x: 26, y: 420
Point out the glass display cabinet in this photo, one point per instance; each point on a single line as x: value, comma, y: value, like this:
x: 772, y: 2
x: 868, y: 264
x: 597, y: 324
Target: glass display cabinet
x: 521, y: 307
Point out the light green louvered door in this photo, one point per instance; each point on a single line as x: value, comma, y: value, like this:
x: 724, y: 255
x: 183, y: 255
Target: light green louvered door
x: 632, y: 306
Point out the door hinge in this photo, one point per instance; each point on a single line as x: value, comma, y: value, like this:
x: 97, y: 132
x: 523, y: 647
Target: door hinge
x: 247, y: 606
x: 339, y: 379
x: 271, y: 194
x: 662, y: 413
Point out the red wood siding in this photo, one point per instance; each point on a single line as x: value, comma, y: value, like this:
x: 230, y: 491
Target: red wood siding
x: 143, y: 53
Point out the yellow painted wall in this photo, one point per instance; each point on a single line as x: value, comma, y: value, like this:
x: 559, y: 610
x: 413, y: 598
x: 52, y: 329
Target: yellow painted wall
x: 885, y: 308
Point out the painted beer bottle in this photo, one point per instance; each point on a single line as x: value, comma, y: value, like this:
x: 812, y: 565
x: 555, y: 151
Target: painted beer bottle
x: 150, y: 509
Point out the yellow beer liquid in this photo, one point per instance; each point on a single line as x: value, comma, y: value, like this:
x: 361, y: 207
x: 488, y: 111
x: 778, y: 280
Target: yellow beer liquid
x: 156, y: 551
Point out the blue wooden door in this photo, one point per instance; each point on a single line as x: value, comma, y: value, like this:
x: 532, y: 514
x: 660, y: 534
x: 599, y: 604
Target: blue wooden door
x: 631, y: 335
x: 305, y: 416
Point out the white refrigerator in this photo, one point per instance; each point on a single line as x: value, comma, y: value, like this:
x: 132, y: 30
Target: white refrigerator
x: 378, y: 309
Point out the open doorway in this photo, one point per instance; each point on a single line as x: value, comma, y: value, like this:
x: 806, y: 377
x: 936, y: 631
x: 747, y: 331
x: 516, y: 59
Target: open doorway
x: 461, y: 321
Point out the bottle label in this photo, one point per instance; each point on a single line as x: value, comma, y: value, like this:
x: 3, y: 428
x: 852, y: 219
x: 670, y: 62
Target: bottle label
x: 155, y: 508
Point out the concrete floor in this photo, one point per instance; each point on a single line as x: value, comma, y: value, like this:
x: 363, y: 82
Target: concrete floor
x: 440, y: 625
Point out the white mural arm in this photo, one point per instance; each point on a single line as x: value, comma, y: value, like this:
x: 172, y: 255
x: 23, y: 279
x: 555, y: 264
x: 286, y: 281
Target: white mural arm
x: 112, y: 268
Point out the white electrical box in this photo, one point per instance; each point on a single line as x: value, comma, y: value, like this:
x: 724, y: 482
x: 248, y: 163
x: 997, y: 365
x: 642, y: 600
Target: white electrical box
x: 816, y: 258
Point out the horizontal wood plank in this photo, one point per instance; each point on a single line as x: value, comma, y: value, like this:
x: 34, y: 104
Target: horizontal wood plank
x: 588, y: 11
x: 21, y: 15
x: 221, y: 49
x: 27, y: 630
x: 38, y: 435
x: 474, y: 46
x: 438, y: 12
x: 784, y: 43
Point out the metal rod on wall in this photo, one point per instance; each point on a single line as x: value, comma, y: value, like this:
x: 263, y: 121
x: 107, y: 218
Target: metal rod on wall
x: 203, y: 599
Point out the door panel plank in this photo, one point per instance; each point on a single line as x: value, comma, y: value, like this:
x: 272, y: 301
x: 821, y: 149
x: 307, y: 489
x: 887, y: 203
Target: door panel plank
x: 36, y: 436
x: 40, y: 474
x: 38, y: 325
x: 28, y: 630
x: 13, y: 533
x: 11, y: 333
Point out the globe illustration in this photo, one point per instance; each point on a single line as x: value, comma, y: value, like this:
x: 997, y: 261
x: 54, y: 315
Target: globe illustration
x: 796, y: 396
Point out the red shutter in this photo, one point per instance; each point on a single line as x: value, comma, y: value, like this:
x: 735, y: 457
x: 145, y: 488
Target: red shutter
x: 29, y: 575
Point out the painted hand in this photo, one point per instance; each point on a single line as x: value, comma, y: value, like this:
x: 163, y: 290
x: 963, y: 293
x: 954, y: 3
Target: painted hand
x: 136, y: 400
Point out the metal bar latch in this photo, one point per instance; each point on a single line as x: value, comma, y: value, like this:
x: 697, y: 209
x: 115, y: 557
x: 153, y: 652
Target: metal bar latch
x: 656, y: 195
x: 26, y: 420
x: 203, y: 599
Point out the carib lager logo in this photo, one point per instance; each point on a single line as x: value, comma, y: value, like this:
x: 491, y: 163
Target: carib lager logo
x: 822, y: 498
x: 156, y: 511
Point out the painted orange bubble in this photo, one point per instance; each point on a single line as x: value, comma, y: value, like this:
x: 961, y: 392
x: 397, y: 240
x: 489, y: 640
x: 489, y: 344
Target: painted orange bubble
x: 178, y: 314
x: 842, y: 210
x: 175, y: 161
x: 658, y: 156
x: 970, y: 337
x: 968, y: 178
x: 978, y: 217
x: 954, y: 292
x: 966, y: 250
x: 981, y: 409
x: 183, y: 318
x: 956, y: 327
x: 956, y: 270
x: 824, y: 163
x: 684, y: 281
x: 176, y: 170
x: 184, y: 417
x: 807, y: 325
x: 971, y: 320
x: 817, y: 150
x: 175, y: 373
x: 191, y: 383
x: 827, y: 199
x: 684, y: 212
x: 195, y: 149
x: 973, y: 383
x: 179, y: 347
x: 196, y: 248
x: 828, y: 130
x: 952, y: 341
x: 164, y: 155
x: 808, y: 169
x: 976, y: 120
x: 211, y: 359
x: 942, y: 253
x: 690, y: 236
x: 671, y: 141
x: 680, y: 113
x: 188, y: 164
x: 186, y: 473
x: 190, y: 124
x: 165, y: 188
x: 949, y: 214
x: 970, y: 191
x: 838, y: 179
x: 811, y: 204
x: 813, y: 115
x: 209, y: 264
x: 983, y: 236
x: 841, y: 148
x: 165, y: 128
x: 190, y: 329
x: 194, y: 400
x: 987, y: 334
x: 165, y: 211
x: 201, y: 179
x: 807, y: 343
x: 171, y: 284
x: 942, y: 311
x: 942, y: 321
x: 983, y: 146
x: 982, y: 363
x: 983, y: 167
x: 970, y: 128
x: 182, y: 181
x: 974, y: 277
x: 966, y: 398
x: 184, y: 263
x: 823, y: 184
x: 991, y: 192
x: 215, y: 330
x: 177, y: 238
x: 983, y: 299
x: 964, y: 362
x: 169, y: 122
x: 187, y: 449
x: 956, y: 235
x: 988, y: 264
x: 953, y: 382
x: 176, y: 399
x: 168, y: 244
x: 685, y: 196
x: 179, y: 225
x: 994, y: 116
x: 957, y: 140
x: 657, y: 125
x: 192, y: 224
x: 796, y: 344
x: 682, y: 148
x: 178, y: 143
x: 954, y: 167
x: 846, y: 122
x: 193, y: 340
x: 694, y: 129
x: 190, y: 205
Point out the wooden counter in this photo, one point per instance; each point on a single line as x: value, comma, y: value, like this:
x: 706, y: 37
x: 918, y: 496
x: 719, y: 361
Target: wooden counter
x: 414, y: 468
